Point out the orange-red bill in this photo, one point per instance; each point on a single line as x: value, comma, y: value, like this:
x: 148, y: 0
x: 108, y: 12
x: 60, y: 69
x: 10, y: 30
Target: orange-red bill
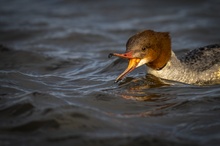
x: 133, y: 62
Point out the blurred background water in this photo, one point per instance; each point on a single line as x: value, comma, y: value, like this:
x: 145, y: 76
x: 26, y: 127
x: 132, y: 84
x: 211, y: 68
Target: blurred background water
x: 57, y: 84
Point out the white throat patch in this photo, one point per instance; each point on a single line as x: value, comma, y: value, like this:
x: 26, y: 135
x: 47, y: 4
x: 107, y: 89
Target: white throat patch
x: 142, y: 62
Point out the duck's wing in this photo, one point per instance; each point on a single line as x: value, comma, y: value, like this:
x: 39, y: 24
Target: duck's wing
x: 203, y: 58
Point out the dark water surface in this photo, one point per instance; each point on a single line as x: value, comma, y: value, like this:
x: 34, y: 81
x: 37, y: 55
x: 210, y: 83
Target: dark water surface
x: 57, y: 84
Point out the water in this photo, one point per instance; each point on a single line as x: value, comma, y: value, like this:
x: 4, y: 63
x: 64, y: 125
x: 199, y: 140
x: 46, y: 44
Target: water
x: 57, y: 84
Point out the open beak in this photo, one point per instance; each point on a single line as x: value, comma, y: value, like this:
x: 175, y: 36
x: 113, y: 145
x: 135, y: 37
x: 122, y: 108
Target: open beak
x: 133, y: 63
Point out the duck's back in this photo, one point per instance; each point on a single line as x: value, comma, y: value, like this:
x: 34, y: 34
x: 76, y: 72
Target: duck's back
x: 203, y: 59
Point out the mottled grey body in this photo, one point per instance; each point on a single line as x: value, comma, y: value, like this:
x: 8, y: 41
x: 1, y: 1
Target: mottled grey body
x: 199, y: 66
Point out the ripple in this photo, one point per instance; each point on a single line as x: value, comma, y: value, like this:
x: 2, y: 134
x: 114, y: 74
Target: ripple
x: 17, y: 110
x: 35, y: 125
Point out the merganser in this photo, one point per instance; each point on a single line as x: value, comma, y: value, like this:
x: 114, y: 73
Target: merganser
x: 199, y: 66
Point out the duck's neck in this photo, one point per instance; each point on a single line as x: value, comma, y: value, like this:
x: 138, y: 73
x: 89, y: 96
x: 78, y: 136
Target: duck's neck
x: 160, y: 62
x: 173, y: 70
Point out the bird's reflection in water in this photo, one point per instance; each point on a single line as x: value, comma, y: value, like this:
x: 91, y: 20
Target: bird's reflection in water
x: 147, y: 89
x: 140, y: 88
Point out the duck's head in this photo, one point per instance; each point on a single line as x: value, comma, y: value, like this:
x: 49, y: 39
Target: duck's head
x: 146, y: 47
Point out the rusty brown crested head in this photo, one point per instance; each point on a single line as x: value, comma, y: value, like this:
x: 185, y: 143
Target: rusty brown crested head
x: 146, y: 47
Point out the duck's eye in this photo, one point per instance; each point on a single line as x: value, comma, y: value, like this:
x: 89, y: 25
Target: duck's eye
x: 143, y: 49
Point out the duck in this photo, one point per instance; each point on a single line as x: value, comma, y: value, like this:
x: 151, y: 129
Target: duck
x: 152, y: 48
